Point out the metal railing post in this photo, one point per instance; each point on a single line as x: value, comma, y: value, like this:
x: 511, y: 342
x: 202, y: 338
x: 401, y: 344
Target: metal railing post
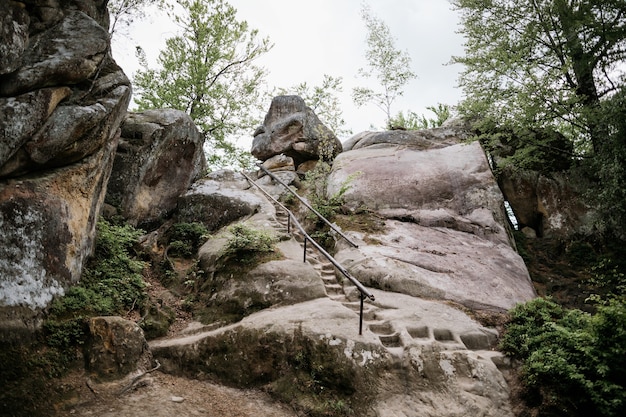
x: 304, y: 255
x: 362, y: 297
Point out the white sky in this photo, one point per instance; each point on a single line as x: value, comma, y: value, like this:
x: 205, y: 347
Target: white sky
x: 313, y: 38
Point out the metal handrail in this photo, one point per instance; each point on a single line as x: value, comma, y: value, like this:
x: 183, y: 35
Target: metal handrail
x: 306, y: 203
x: 362, y: 290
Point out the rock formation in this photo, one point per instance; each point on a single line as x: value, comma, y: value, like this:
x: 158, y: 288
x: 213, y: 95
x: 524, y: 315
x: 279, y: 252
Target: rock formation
x: 116, y: 348
x: 549, y: 204
x: 445, y: 234
x: 117, y: 355
x: 292, y: 128
x: 62, y: 99
x: 159, y: 156
x: 443, y: 239
x: 217, y: 200
x: 289, y: 324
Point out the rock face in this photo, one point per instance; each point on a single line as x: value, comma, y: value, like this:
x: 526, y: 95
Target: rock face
x: 117, y: 355
x: 62, y: 99
x: 291, y: 128
x: 415, y: 357
x: 443, y: 242
x: 218, y: 200
x: 445, y: 236
x: 159, y: 156
x: 550, y: 204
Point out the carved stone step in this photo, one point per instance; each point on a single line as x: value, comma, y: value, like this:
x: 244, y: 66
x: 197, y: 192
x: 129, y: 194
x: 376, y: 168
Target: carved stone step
x: 333, y: 289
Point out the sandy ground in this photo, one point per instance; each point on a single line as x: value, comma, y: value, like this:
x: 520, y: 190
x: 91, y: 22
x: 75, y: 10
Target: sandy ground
x: 171, y: 396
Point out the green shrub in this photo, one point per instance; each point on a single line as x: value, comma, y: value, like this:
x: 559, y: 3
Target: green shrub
x: 184, y: 239
x: 113, y: 274
x: 578, y: 358
x: 609, y: 278
x: 245, y: 240
x: 316, y: 182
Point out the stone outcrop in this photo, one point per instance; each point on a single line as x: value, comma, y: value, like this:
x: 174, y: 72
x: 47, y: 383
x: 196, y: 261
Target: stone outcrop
x: 117, y: 355
x: 159, y: 156
x: 292, y: 128
x: 14, y: 22
x: 445, y: 236
x: 217, y: 200
x: 414, y: 356
x: 549, y: 204
x: 62, y: 99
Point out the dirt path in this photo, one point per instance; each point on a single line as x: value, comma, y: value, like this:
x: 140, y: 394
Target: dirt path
x: 168, y: 396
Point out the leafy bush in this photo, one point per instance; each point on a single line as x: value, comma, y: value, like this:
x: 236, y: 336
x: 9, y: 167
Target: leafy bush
x: 114, y: 273
x: 317, y: 185
x: 413, y: 121
x: 577, y: 358
x: 111, y: 284
x: 517, y: 149
x: 247, y: 241
x: 185, y: 238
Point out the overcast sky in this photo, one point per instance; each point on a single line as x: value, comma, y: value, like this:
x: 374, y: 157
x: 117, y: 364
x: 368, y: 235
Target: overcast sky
x: 313, y: 38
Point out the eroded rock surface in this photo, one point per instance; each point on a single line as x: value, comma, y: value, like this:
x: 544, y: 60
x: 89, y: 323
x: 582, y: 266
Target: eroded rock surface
x: 446, y: 234
x: 417, y: 354
x: 117, y: 355
x: 62, y: 99
x: 292, y: 128
x: 414, y: 356
x: 218, y: 200
x: 549, y: 204
x: 159, y: 156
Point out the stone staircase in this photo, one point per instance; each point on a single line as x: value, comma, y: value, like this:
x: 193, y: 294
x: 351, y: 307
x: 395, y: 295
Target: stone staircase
x: 334, y: 288
x: 394, y: 336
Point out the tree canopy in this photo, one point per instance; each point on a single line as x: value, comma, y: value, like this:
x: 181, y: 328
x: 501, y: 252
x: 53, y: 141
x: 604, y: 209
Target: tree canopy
x: 543, y: 63
x: 208, y: 71
x: 123, y: 12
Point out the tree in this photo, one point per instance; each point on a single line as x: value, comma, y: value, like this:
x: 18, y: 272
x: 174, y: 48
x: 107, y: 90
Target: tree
x: 413, y: 121
x: 543, y: 63
x: 323, y: 100
x: 208, y: 72
x: 388, y: 65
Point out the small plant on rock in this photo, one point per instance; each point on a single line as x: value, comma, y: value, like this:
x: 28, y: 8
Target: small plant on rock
x: 184, y: 239
x: 245, y: 242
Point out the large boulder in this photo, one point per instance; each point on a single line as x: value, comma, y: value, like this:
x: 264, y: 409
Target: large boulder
x: 218, y: 200
x: 62, y: 99
x: 446, y: 235
x: 292, y: 128
x: 14, y: 21
x: 117, y: 355
x: 159, y: 156
x: 48, y: 229
x: 67, y: 53
x: 414, y: 357
x: 551, y: 204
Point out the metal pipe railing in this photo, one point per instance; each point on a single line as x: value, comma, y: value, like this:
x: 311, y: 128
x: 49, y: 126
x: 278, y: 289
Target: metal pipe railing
x: 364, y: 292
x: 306, y: 203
